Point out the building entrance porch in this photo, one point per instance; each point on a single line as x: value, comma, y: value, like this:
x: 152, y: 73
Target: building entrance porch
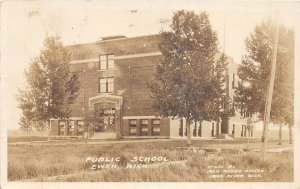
x: 107, y: 114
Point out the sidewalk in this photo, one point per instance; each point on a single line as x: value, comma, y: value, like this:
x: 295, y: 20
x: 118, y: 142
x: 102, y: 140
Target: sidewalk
x: 82, y: 142
x: 236, y: 145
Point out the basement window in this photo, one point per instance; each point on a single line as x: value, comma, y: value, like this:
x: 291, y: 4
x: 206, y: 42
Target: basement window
x: 156, y: 127
x: 132, y: 127
x: 144, y: 127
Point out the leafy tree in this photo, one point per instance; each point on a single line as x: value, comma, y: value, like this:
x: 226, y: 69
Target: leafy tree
x: 222, y: 103
x: 255, y: 70
x: 27, y: 114
x: 90, y: 118
x: 183, y: 82
x: 25, y: 124
x: 51, y: 87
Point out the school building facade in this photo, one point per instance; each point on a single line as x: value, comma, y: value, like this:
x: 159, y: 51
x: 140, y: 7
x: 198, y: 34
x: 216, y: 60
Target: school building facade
x: 113, y: 74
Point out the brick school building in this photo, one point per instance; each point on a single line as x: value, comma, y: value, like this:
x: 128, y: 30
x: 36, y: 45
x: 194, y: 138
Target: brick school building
x: 113, y: 74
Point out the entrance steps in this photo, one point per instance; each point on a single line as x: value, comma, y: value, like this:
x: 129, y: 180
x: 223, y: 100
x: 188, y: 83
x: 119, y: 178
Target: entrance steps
x: 225, y: 136
x: 61, y: 137
x: 104, y: 135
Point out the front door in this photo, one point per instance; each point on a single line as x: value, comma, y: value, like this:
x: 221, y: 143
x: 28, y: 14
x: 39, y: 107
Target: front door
x: 105, y: 113
x: 108, y: 118
x: 107, y: 121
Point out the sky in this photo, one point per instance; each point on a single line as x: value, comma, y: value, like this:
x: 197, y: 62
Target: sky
x: 24, y: 26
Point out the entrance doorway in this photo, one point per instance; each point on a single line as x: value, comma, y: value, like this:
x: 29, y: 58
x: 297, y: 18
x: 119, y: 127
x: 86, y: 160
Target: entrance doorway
x: 105, y: 113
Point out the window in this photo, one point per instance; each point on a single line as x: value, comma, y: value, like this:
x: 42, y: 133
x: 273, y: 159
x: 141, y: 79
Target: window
x: 106, y: 62
x: 156, y: 127
x: 71, y: 127
x: 110, y: 85
x: 61, y: 128
x: 110, y: 61
x: 102, y: 85
x: 80, y: 127
x: 103, y: 62
x: 106, y: 85
x: 132, y: 127
x: 144, y: 127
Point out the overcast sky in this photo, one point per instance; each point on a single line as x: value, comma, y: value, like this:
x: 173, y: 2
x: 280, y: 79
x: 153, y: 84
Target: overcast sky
x: 25, y: 25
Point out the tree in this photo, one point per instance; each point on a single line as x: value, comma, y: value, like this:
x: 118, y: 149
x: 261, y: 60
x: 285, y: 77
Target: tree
x: 26, y: 121
x: 51, y: 87
x: 222, y: 109
x: 25, y: 124
x: 90, y: 118
x: 255, y: 70
x: 182, y: 85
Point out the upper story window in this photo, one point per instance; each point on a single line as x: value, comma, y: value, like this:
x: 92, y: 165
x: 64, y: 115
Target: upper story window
x: 106, y: 62
x: 106, y: 85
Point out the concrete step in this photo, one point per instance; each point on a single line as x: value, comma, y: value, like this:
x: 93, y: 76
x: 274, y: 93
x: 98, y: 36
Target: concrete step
x: 104, y: 135
x: 65, y: 137
x: 225, y: 136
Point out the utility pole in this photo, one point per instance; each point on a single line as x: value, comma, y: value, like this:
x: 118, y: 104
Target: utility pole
x: 227, y: 108
x: 270, y: 91
x: 226, y: 120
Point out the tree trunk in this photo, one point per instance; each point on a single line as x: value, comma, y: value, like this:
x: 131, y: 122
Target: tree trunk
x: 280, y: 134
x: 200, y: 128
x: 49, y: 130
x: 189, y: 137
x: 290, y: 135
x: 218, y: 128
x: 181, y: 128
x: 195, y: 129
x: 212, y: 129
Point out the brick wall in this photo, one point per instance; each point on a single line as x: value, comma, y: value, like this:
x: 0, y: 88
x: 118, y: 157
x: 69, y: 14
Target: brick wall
x: 165, y: 127
x: 131, y: 83
x: 131, y: 75
x: 126, y: 46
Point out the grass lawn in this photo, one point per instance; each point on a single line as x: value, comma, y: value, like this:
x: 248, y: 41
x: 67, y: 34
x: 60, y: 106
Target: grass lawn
x: 41, y: 163
x: 11, y: 139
